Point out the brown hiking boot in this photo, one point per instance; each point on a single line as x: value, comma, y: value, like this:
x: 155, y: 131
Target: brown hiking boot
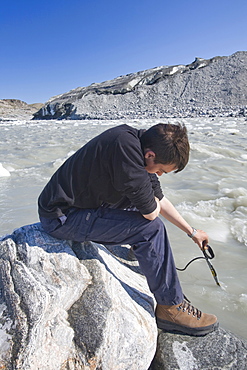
x: 185, y: 319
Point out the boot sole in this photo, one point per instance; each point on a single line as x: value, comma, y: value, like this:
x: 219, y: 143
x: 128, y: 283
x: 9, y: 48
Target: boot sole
x: 181, y: 329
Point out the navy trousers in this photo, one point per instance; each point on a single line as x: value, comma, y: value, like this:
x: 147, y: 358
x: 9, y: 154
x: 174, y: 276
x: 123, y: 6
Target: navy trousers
x: 115, y: 227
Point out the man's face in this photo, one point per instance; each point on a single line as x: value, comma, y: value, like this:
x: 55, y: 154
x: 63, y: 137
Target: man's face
x: 157, y: 168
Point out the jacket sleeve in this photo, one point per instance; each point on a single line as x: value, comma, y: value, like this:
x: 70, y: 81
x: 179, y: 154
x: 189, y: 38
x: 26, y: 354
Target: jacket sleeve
x: 129, y: 175
x: 156, y: 186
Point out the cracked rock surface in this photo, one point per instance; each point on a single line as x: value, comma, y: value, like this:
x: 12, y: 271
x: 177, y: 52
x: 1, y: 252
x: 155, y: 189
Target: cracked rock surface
x: 71, y: 306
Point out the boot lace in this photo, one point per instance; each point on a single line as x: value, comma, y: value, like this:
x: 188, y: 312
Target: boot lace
x: 186, y: 306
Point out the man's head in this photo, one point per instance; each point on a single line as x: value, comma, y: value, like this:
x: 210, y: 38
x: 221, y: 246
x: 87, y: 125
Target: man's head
x: 166, y: 144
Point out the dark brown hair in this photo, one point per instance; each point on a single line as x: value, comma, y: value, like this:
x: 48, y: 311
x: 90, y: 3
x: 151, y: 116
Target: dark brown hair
x: 169, y: 143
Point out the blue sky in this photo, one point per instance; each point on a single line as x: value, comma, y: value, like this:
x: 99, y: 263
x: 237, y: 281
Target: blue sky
x: 49, y: 47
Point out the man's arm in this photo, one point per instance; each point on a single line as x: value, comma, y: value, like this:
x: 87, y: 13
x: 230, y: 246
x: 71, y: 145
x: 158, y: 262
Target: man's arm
x: 151, y: 216
x: 168, y: 211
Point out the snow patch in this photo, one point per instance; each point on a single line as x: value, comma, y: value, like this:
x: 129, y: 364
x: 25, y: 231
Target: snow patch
x: 3, y: 171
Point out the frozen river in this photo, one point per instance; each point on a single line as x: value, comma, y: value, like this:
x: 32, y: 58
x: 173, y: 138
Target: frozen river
x: 211, y: 194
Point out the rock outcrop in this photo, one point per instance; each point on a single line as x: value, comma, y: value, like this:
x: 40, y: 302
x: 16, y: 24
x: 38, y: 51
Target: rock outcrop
x: 12, y: 109
x: 216, y: 351
x: 59, y: 312
x: 213, y: 87
x: 66, y: 305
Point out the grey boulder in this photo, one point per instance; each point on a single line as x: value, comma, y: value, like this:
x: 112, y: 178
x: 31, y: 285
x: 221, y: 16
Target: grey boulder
x: 59, y: 312
x: 220, y: 350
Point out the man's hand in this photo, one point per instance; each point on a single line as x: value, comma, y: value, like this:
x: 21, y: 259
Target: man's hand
x: 201, y: 239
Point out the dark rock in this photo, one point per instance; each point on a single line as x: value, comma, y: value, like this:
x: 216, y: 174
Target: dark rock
x: 217, y: 350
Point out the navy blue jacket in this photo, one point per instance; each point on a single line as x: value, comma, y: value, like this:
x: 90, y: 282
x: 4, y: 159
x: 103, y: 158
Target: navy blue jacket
x: 109, y: 169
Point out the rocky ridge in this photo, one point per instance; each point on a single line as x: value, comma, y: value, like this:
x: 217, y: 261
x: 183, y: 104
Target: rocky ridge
x: 206, y: 87
x: 12, y: 109
x: 80, y: 306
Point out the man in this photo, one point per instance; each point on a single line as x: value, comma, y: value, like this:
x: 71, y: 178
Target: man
x: 108, y: 192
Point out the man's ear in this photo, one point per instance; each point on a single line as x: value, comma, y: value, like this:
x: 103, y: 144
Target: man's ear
x: 149, y: 154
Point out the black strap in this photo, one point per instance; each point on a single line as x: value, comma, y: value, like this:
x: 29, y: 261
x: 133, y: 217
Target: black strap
x: 208, y: 254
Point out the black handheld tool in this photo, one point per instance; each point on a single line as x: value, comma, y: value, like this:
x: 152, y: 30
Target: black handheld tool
x: 208, y: 255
